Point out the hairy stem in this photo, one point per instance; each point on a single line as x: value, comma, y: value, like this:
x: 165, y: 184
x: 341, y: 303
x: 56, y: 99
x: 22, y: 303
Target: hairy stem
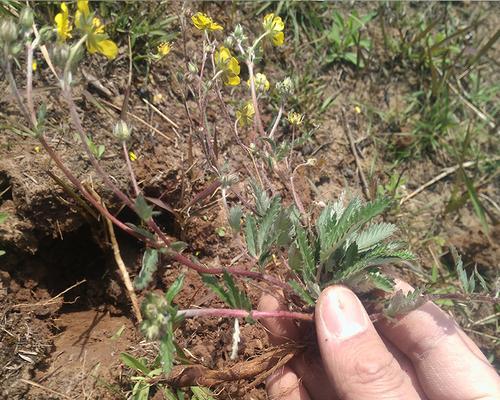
x: 232, y: 313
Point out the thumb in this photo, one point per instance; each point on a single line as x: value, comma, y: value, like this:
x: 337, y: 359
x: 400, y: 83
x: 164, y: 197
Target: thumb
x: 356, y: 360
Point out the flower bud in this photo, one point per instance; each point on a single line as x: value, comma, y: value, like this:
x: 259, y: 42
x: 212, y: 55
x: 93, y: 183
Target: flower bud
x: 285, y: 87
x: 60, y: 54
x: 229, y: 42
x: 26, y: 18
x: 8, y: 31
x: 151, y: 330
x: 193, y: 68
x: 122, y: 131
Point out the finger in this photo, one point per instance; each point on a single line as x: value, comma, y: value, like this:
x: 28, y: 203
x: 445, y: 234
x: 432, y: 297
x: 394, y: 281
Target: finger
x: 306, y: 365
x: 280, y: 330
x: 448, y: 363
x: 356, y: 359
x: 284, y: 384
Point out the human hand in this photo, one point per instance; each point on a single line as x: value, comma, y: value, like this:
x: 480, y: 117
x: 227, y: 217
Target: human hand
x: 422, y: 355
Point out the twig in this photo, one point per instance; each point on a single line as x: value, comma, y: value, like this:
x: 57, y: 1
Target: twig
x: 444, y: 174
x: 51, y: 300
x: 37, y: 385
x: 119, y: 261
x: 364, y: 183
x: 86, y: 93
x: 175, y: 126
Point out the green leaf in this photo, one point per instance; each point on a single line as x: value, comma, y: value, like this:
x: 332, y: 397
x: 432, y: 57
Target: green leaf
x: 262, y: 200
x: 134, y: 363
x: 374, y: 234
x: 309, y: 262
x: 2, y: 252
x: 174, y: 288
x: 144, y: 211
x: 478, y: 208
x: 214, y: 285
x: 401, y: 303
x: 264, y: 235
x: 238, y: 299
x: 251, y: 236
x: 3, y: 217
x: 149, y: 265
x: 301, y: 292
x: 167, y: 350
x: 201, y: 393
x: 178, y: 246
x: 381, y: 281
x: 352, y: 58
x: 141, y: 231
x: 235, y: 214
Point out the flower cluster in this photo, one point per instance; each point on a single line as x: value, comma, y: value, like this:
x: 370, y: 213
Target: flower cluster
x: 88, y: 24
x: 274, y: 27
x: 228, y: 66
x: 204, y: 23
x: 261, y: 82
x: 245, y: 114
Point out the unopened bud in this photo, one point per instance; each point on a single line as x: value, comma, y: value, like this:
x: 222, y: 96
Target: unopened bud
x: 285, y: 87
x: 26, y: 18
x: 60, y: 54
x: 229, y: 42
x: 122, y: 131
x: 193, y: 68
x: 8, y: 31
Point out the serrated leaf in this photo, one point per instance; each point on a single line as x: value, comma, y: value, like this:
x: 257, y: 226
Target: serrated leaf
x: 212, y: 282
x: 264, y: 236
x: 134, y: 363
x: 238, y: 299
x: 251, y: 236
x: 167, y: 350
x: 301, y: 292
x: 144, y: 211
x: 174, y: 288
x: 235, y: 214
x: 262, y: 200
x: 374, y: 234
x: 381, y: 281
x: 141, y: 231
x: 401, y: 304
x: 309, y: 262
x: 461, y: 273
x: 201, y: 393
x: 149, y: 265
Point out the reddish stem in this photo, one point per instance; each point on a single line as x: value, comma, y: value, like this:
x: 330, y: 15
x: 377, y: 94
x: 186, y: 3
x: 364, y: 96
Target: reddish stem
x: 230, y: 313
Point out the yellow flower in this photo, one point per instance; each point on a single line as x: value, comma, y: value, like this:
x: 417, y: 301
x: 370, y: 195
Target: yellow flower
x: 34, y: 66
x: 37, y: 149
x: 261, y: 82
x: 229, y: 66
x: 97, y: 40
x: 62, y: 23
x: 274, y: 25
x: 295, y: 119
x: 164, y: 49
x: 203, y: 22
x: 132, y: 156
x: 357, y: 109
x: 245, y: 114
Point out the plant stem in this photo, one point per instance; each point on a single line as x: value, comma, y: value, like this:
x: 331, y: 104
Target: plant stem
x: 29, y: 84
x: 130, y: 169
x: 275, y: 125
x: 232, y: 313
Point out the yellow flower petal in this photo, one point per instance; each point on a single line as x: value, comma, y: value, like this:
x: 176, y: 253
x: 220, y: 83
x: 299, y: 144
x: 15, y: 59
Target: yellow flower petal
x: 83, y: 7
x: 34, y: 65
x: 62, y: 23
x: 203, y: 22
x: 278, y: 39
x: 132, y: 156
x: 108, y: 48
x: 97, y: 26
x: 164, y: 49
x: 232, y: 80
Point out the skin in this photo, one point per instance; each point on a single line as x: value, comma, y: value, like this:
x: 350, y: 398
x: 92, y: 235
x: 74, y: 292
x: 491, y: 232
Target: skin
x: 422, y: 355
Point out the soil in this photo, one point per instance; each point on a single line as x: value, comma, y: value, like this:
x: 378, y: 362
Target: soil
x: 65, y: 317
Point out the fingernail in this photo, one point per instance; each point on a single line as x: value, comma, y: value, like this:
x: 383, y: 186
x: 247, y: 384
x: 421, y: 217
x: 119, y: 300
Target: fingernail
x: 342, y: 314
